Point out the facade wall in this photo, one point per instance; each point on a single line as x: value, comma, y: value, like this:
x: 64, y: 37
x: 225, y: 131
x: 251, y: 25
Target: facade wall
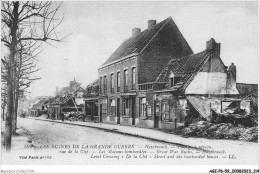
x: 112, y: 111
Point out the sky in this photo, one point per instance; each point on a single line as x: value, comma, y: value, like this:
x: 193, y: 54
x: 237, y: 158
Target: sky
x: 96, y: 29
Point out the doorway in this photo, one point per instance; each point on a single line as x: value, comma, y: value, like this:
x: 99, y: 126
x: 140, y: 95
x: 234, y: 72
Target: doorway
x: 133, y: 111
x: 156, y: 114
x: 100, y: 111
x: 118, y: 110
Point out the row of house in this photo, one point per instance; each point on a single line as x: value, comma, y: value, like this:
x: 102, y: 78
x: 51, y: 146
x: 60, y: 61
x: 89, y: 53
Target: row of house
x: 155, y: 80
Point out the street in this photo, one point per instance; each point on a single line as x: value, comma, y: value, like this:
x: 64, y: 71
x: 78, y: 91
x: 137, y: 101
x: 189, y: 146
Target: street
x: 56, y: 143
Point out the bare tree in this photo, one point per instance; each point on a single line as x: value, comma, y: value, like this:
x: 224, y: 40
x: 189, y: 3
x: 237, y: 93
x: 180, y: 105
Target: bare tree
x: 25, y: 64
x: 22, y: 22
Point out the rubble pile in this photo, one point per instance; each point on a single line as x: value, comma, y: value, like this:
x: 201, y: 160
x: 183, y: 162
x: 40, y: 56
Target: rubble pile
x: 75, y: 116
x: 204, y: 129
x: 250, y: 134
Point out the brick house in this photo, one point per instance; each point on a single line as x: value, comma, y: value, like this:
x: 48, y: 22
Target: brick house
x: 134, y: 66
x: 153, y: 79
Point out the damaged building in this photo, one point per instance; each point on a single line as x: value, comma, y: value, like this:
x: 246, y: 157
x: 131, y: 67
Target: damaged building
x: 68, y: 99
x: 39, y: 107
x: 154, y: 80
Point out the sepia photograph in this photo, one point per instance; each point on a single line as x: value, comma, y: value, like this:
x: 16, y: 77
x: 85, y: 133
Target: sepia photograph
x: 172, y: 84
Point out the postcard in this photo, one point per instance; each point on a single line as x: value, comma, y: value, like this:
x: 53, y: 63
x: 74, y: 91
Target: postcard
x: 94, y: 86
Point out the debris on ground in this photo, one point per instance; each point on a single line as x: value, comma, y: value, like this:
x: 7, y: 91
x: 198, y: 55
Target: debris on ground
x: 204, y: 129
x: 75, y: 116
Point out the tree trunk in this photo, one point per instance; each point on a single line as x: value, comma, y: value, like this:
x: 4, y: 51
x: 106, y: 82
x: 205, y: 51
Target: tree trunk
x: 10, y: 82
x: 3, y: 113
x: 16, y: 98
x: 8, y: 120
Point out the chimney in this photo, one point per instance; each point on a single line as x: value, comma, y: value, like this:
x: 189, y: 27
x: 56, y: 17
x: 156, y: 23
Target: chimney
x: 136, y: 31
x: 212, y: 45
x: 233, y: 70
x: 151, y: 23
x: 231, y: 78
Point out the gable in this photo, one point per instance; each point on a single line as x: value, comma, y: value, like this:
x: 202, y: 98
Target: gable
x: 214, y: 64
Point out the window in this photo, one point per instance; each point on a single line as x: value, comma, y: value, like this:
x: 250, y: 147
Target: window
x: 165, y: 112
x: 105, y: 84
x: 126, y: 107
x: 174, y: 80
x: 100, y: 85
x: 118, y: 81
x: 133, y: 78
x: 112, y: 80
x: 112, y: 107
x: 125, y: 77
x: 177, y: 79
x: 171, y: 82
x: 125, y: 81
x: 143, y: 107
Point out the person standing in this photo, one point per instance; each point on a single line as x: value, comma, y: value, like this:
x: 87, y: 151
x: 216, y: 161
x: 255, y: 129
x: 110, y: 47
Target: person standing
x: 52, y: 116
x: 62, y: 116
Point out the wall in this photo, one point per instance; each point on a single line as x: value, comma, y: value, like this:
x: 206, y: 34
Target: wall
x: 144, y: 123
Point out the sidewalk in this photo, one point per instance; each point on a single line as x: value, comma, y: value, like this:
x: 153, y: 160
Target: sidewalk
x: 230, y: 146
